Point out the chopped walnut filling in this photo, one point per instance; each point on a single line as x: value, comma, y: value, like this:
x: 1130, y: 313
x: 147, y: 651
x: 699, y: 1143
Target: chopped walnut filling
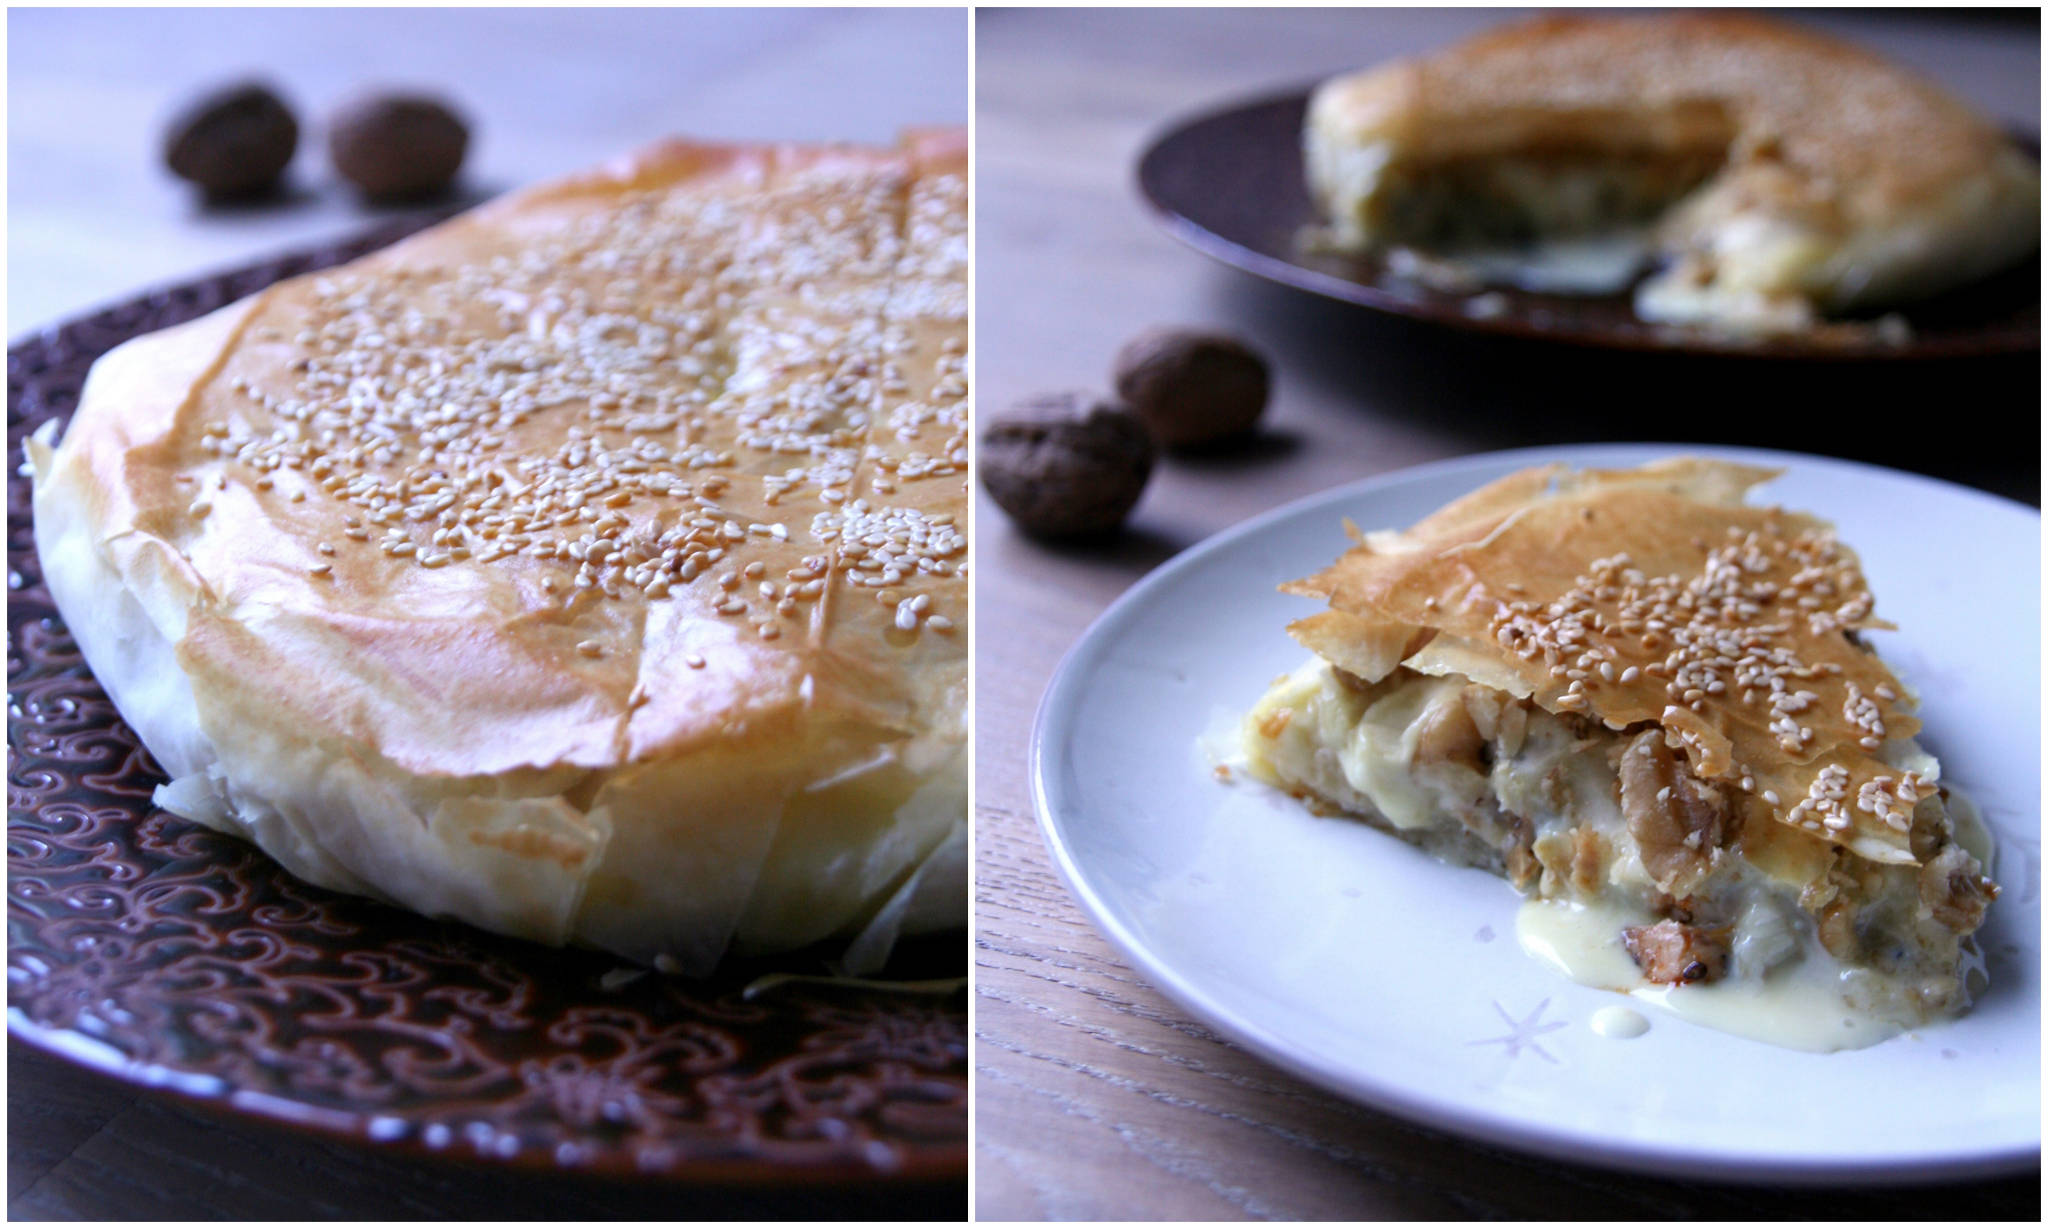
x: 1448, y: 735
x: 1703, y: 875
x: 1954, y: 890
x: 1648, y: 703
x: 1677, y: 954
x: 1678, y: 820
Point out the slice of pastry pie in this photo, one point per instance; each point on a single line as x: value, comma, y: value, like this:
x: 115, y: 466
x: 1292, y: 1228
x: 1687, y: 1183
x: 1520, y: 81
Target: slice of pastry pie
x: 1774, y: 173
x: 1636, y: 695
x: 591, y: 568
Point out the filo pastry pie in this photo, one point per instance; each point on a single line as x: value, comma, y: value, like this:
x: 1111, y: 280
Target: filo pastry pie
x: 591, y: 568
x: 1646, y: 701
x: 1778, y: 175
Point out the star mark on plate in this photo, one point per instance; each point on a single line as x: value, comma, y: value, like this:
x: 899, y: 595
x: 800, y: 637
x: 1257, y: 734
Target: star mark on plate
x: 1522, y: 1034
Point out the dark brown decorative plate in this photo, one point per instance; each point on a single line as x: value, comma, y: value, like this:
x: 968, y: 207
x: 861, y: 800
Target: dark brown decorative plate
x: 170, y: 956
x: 1229, y: 184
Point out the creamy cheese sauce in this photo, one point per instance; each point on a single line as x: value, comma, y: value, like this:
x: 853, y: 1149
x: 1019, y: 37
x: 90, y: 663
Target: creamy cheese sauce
x: 1619, y: 1023
x: 1782, y: 987
x: 1602, y: 263
x: 1801, y: 1004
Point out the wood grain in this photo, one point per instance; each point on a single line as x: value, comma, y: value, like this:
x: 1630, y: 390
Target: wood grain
x: 1096, y: 1097
x: 93, y: 216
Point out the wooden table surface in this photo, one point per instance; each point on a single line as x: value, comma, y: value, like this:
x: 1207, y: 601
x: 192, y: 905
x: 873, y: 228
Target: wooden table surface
x: 1096, y: 1096
x: 93, y: 218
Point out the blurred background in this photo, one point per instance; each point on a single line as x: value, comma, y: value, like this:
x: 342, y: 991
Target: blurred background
x: 93, y: 216
x: 1070, y: 264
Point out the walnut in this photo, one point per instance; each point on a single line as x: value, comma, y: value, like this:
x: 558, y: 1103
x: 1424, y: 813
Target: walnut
x: 1589, y: 858
x: 233, y: 142
x: 1678, y: 820
x: 1192, y: 388
x: 1446, y: 734
x: 1065, y: 465
x: 1519, y: 855
x: 1954, y: 891
x: 398, y: 146
x: 1675, y: 953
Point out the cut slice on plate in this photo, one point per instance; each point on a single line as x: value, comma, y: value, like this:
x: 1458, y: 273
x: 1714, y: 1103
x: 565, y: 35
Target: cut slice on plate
x: 1648, y: 704
x: 1776, y: 175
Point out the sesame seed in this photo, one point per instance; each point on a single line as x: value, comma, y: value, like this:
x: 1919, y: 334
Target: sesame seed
x: 1724, y: 637
x: 579, y: 408
x: 590, y: 648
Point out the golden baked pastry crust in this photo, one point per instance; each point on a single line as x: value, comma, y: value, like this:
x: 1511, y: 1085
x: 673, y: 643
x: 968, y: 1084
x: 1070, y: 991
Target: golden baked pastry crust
x: 528, y: 571
x: 1852, y: 132
x: 1645, y: 704
x: 1653, y: 595
x: 1843, y: 178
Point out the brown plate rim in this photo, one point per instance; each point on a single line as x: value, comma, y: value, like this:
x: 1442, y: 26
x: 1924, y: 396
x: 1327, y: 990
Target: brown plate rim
x: 1168, y: 209
x: 67, y: 347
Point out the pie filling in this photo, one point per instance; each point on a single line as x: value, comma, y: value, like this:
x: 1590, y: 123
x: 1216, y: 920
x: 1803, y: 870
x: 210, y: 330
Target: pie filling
x: 1638, y: 875
x: 1486, y: 202
x: 1592, y: 225
x: 1672, y: 224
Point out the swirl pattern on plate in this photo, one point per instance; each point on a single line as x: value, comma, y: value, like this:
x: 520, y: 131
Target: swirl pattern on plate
x: 169, y: 955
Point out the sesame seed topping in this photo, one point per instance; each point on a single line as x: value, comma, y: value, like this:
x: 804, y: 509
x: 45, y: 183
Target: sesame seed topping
x: 613, y: 410
x: 1737, y: 637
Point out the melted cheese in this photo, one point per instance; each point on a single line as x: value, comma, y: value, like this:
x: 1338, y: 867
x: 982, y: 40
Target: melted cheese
x: 1619, y: 1023
x: 1809, y: 1003
x: 1603, y: 262
x: 1354, y: 748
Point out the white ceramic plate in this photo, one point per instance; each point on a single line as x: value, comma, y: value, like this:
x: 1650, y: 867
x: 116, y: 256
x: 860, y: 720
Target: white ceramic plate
x: 1368, y: 968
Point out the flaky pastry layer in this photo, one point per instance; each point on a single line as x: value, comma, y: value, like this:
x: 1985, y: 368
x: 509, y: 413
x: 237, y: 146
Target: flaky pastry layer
x: 591, y: 567
x: 1649, y: 595
x: 1634, y: 691
x: 1837, y: 180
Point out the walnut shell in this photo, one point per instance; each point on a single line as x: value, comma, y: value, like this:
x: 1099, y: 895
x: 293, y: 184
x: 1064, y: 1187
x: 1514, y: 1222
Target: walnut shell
x: 1192, y: 388
x: 398, y: 146
x: 232, y: 142
x: 1066, y: 465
